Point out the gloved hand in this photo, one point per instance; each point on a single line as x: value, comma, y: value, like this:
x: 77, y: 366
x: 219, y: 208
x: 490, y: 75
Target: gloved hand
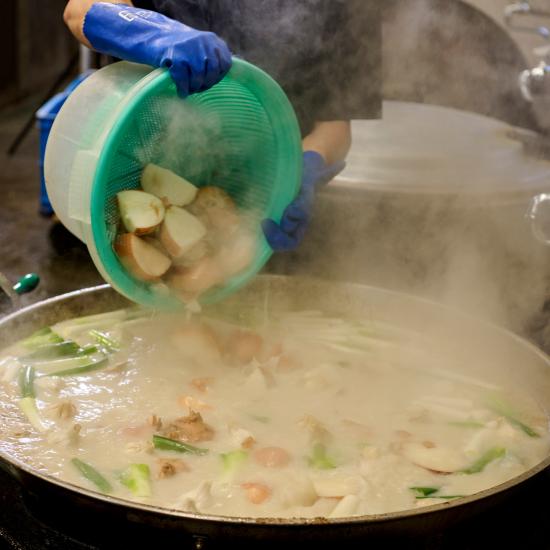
x: 196, y: 60
x: 289, y: 234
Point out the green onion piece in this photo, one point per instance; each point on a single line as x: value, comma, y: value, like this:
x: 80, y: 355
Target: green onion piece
x: 28, y: 406
x: 101, y: 338
x: 424, y: 492
x: 76, y: 358
x: 88, y: 366
x: 74, y: 328
x: 91, y: 474
x: 480, y: 464
x: 26, y: 381
x: 319, y: 458
x: 47, y: 367
x: 41, y: 337
x: 429, y: 492
x: 47, y: 352
x: 232, y: 461
x: 503, y: 409
x: 443, y: 497
x: 523, y: 427
x: 165, y: 444
x: 467, y: 424
x: 137, y: 478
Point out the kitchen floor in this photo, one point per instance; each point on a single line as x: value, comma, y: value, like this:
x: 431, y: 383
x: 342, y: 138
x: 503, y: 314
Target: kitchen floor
x: 30, y: 242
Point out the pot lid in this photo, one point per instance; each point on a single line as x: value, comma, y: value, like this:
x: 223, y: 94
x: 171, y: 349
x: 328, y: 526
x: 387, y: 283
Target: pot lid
x: 426, y: 148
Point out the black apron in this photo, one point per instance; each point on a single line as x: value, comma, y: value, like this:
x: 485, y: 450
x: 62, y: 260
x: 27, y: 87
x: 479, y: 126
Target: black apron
x: 326, y: 54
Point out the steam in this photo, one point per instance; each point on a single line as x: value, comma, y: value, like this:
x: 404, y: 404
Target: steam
x: 467, y: 249
x: 469, y: 246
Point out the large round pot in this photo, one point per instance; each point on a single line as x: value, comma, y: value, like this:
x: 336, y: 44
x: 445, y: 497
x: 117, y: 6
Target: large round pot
x: 482, y: 348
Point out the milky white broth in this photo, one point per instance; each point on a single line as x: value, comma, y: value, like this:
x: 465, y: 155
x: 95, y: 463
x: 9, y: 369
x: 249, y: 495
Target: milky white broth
x: 356, y: 424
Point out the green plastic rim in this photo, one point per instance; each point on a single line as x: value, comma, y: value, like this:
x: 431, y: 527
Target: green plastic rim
x: 286, y: 139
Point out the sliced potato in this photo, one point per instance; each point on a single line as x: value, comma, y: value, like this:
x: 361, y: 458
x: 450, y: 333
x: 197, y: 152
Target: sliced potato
x: 141, y: 259
x: 225, y: 222
x: 436, y: 459
x: 155, y: 243
x: 141, y: 212
x: 198, y: 279
x: 346, y: 507
x: 194, y: 255
x: 167, y: 186
x: 237, y: 255
x: 336, y: 485
x: 212, y: 197
x: 180, y: 232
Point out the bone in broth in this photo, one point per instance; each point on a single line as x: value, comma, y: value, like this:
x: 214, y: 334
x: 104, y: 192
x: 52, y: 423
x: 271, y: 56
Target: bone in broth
x: 300, y: 415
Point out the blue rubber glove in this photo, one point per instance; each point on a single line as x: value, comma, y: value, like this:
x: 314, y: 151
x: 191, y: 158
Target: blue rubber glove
x: 196, y: 60
x: 289, y: 234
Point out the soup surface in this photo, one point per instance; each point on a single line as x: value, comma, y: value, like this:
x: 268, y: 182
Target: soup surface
x: 296, y: 415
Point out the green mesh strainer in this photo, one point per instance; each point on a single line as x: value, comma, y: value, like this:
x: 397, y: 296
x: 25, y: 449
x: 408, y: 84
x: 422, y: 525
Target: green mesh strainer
x: 241, y: 135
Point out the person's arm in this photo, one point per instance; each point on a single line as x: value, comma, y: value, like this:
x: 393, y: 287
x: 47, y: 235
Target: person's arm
x: 76, y: 11
x: 332, y: 140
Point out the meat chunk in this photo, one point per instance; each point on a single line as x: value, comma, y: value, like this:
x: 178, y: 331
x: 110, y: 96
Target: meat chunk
x: 256, y: 492
x: 65, y: 410
x: 155, y: 422
x: 193, y: 404
x: 191, y: 428
x: 243, y: 346
x: 168, y: 467
x: 272, y: 457
x: 241, y: 437
x: 197, y: 342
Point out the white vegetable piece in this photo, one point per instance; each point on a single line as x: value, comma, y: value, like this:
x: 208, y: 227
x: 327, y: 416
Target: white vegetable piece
x: 346, y: 507
x: 11, y: 368
x: 167, y: 186
x: 66, y: 436
x: 497, y: 433
x: 297, y: 491
x: 321, y: 508
x: 239, y: 436
x: 437, y: 459
x: 144, y: 261
x: 337, y: 485
x: 141, y: 212
x: 28, y: 406
x: 180, y: 232
x: 196, y: 500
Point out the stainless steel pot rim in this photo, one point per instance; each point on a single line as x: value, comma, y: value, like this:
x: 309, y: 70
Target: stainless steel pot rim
x: 495, y: 195
x: 282, y: 522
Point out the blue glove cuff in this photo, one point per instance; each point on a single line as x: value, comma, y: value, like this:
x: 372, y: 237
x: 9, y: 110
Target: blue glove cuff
x: 317, y: 171
x: 197, y: 60
x: 127, y: 33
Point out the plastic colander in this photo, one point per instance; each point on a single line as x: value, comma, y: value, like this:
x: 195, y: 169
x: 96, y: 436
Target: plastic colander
x: 241, y: 135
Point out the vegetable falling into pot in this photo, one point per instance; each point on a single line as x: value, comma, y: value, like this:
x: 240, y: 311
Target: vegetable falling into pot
x: 177, y: 235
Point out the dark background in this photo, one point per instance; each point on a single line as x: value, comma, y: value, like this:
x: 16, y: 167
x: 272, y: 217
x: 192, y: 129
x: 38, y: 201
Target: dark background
x: 35, y: 47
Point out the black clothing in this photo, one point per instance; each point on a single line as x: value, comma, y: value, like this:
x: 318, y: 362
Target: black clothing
x: 326, y: 54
